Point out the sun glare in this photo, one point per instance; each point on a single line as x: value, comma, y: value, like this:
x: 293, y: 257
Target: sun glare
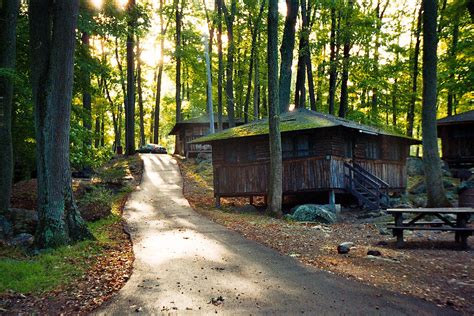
x: 97, y: 3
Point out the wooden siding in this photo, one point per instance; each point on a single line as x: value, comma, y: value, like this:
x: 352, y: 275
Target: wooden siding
x: 392, y: 172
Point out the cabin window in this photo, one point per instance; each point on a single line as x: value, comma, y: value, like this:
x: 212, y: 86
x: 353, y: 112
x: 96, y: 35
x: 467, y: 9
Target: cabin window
x: 372, y: 149
x: 296, y: 146
x: 240, y: 153
x: 349, y: 152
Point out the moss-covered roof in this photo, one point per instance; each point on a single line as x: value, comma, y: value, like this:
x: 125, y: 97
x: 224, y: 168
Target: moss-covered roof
x: 458, y: 118
x: 296, y: 120
x: 203, y: 119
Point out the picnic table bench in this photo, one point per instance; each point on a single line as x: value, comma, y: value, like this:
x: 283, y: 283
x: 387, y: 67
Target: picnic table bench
x: 459, y: 227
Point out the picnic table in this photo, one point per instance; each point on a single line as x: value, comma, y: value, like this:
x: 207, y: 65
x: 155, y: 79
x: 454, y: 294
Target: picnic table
x: 459, y: 227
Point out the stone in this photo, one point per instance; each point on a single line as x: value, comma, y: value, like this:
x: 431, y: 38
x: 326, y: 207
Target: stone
x: 375, y: 253
x: 5, y: 228
x: 203, y: 166
x: 314, y: 213
x: 344, y: 247
x: 203, y: 157
x: 415, y: 166
x: 23, y: 221
x: 23, y: 240
x: 247, y: 208
x: 420, y: 186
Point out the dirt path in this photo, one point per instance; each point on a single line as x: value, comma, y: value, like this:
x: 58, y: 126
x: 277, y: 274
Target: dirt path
x: 188, y: 264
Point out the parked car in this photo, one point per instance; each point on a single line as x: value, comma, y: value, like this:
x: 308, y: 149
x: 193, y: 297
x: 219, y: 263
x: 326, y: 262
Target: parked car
x: 152, y: 148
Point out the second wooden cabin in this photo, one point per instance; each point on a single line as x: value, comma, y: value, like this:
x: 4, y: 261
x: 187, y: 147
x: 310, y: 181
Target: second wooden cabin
x: 320, y: 152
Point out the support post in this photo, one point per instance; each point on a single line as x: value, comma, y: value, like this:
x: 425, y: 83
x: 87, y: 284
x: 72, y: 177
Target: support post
x: 399, y: 232
x: 251, y: 200
x: 218, y: 201
x: 332, y: 199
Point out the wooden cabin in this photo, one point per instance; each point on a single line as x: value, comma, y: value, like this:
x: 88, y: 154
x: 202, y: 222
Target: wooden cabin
x: 193, y: 128
x: 321, y: 153
x: 457, y: 139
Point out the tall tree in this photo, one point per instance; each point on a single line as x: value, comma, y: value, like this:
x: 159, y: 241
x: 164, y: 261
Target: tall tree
x: 130, y: 106
x: 229, y: 86
x: 431, y: 161
x: 179, y: 22
x: 52, y: 39
x: 452, y: 64
x: 140, y: 95
x: 415, y: 60
x: 220, y: 71
x: 253, y: 57
x: 86, y: 93
x: 332, y: 59
x: 8, y: 18
x: 344, y: 100
x: 275, y: 188
x: 286, y: 51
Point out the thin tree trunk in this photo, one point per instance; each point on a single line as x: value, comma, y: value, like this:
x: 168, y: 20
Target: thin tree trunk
x: 52, y: 73
x: 344, y: 101
x: 130, y: 109
x: 332, y: 60
x: 275, y: 189
x: 253, y: 57
x: 140, y: 96
x: 414, y: 89
x: 303, y: 51
x: 8, y: 20
x: 86, y: 94
x: 229, y: 87
x: 210, y: 109
x: 256, y: 85
x: 220, y: 72
x: 431, y: 161
x: 452, y: 66
x: 178, y: 60
x: 286, y: 52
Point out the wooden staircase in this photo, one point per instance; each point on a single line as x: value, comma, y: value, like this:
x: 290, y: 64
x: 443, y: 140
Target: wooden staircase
x: 370, y: 191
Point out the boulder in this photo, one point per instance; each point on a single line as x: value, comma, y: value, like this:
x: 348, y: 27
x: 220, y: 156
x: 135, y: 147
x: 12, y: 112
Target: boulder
x: 314, y: 213
x: 344, y: 247
x: 415, y: 166
x: 5, y: 228
x: 203, y: 157
x: 23, y: 240
x: 203, y: 166
x: 375, y: 253
x: 420, y: 186
x: 23, y: 221
x: 247, y: 208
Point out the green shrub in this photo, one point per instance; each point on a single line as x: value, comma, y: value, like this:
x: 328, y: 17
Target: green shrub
x: 112, y: 175
x: 96, y: 204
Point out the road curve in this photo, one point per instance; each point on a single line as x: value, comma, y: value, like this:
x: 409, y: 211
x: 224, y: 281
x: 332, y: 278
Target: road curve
x: 186, y: 264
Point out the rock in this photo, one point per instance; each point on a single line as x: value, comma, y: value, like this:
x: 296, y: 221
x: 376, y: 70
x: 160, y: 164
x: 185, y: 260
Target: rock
x: 375, y: 253
x: 314, y: 213
x: 203, y: 166
x: 420, y: 186
x: 344, y: 247
x: 203, y: 157
x: 400, y: 202
x: 382, y: 243
x: 5, y: 228
x: 22, y: 240
x: 419, y: 201
x: 23, y: 221
x: 415, y: 166
x: 247, y: 208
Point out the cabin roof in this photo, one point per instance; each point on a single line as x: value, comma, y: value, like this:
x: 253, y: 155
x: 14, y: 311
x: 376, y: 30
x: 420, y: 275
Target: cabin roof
x: 300, y: 119
x: 202, y: 119
x: 462, y: 118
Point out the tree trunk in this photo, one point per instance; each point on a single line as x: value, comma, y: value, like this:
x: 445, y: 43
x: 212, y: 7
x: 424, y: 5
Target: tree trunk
x: 210, y: 109
x: 332, y: 60
x: 275, y: 189
x: 253, y: 57
x: 86, y: 94
x: 303, y: 51
x: 97, y: 132
x: 130, y: 109
x: 431, y: 161
x: 452, y: 66
x: 178, y: 60
x: 229, y: 86
x: 159, y: 78
x: 8, y: 18
x: 286, y: 52
x: 414, y: 89
x: 140, y: 95
x: 220, y: 72
x: 344, y: 102
x: 125, y: 99
x: 256, y: 85
x: 52, y: 39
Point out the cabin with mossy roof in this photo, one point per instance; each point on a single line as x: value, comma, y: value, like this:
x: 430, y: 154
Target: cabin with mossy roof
x: 188, y: 130
x: 321, y: 153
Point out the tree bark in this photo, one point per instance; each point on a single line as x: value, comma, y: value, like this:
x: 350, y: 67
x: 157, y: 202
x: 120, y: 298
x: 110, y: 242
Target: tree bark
x: 344, y: 101
x: 332, y: 60
x: 8, y: 19
x: 303, y: 51
x: 178, y: 13
x: 86, y: 94
x: 452, y: 65
x: 275, y: 193
x: 414, y: 89
x: 286, y: 52
x: 130, y: 109
x: 431, y: 161
x: 256, y: 85
x: 253, y: 57
x: 125, y: 99
x: 52, y: 39
x: 229, y: 87
x: 220, y: 72
x: 140, y: 96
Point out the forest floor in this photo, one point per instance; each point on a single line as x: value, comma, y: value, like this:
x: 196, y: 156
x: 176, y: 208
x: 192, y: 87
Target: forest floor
x: 79, y: 278
x: 428, y: 267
